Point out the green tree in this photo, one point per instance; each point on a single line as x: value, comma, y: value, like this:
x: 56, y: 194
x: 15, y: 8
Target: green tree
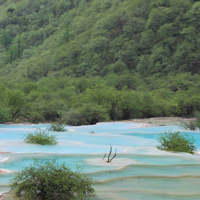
x: 193, y: 17
x: 48, y: 180
x: 68, y: 32
x: 16, y: 49
x: 94, y: 113
x: 6, y: 39
x: 35, y: 116
x: 103, y: 95
x: 4, y: 114
x: 86, y: 114
x: 145, y: 64
x: 16, y: 100
x: 118, y: 67
x: 128, y: 105
x: 157, y: 17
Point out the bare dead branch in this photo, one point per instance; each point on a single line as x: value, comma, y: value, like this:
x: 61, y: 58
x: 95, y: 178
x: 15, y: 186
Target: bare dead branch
x: 109, y: 153
x: 114, y: 155
x: 104, y: 156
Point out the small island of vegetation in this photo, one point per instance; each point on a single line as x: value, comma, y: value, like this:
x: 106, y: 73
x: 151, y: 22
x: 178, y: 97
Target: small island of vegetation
x: 177, y: 142
x: 48, y: 180
x: 40, y: 136
x: 57, y: 128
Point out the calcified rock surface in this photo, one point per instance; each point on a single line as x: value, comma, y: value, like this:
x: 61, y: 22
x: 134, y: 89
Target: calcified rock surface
x: 139, y: 170
x: 4, y: 171
x: 158, y: 121
x: 11, y: 196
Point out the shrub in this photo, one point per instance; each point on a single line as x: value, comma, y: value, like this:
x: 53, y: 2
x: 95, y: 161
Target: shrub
x: 57, y: 128
x: 47, y: 180
x: 170, y: 141
x: 40, y: 137
x: 192, y: 124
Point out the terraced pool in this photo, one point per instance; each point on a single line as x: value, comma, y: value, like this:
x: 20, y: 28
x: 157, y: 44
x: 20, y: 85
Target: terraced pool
x: 139, y: 171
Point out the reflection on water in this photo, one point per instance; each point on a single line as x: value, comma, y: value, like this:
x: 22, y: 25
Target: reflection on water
x: 140, y: 171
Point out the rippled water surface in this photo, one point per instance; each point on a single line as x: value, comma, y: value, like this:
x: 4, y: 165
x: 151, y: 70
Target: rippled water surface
x: 139, y: 171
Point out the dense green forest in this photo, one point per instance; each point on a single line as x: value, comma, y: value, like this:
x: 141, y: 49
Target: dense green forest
x: 84, y: 61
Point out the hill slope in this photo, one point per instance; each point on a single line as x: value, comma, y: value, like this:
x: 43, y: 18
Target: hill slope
x: 87, y: 60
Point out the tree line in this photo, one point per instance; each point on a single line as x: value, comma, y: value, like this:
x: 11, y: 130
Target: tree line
x: 78, y: 101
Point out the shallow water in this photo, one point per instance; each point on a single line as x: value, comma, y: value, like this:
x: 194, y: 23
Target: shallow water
x: 139, y: 171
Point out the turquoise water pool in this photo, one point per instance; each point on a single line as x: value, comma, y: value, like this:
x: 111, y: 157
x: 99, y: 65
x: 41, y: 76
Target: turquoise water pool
x: 139, y: 171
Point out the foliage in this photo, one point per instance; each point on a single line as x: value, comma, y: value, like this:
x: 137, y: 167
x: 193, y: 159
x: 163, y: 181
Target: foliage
x: 175, y: 141
x: 36, y: 117
x: 74, y: 117
x: 57, y: 128
x: 192, y: 124
x: 48, y: 180
x: 197, y: 119
x: 86, y: 115
x: 40, y: 136
x: 189, y: 125
x: 4, y: 114
x: 15, y: 101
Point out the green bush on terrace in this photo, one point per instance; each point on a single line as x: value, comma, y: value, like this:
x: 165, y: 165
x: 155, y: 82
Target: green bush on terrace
x: 48, y: 180
x: 40, y: 136
x: 175, y: 141
x: 57, y: 128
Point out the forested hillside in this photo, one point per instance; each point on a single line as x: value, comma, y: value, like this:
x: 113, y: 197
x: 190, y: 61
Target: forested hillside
x: 84, y: 61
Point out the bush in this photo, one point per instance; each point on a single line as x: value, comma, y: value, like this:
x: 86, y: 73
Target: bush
x: 47, y: 180
x: 170, y: 141
x: 57, y: 128
x: 40, y: 137
x: 192, y: 124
